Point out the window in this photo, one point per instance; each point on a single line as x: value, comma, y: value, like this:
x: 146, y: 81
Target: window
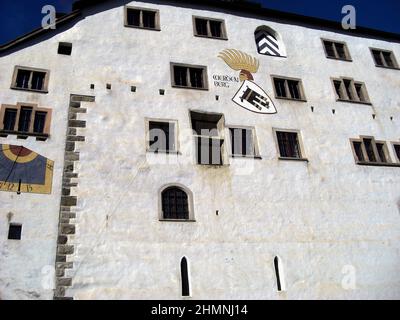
x: 188, y: 76
x: 14, y: 231
x: 269, y: 42
x: 368, y: 151
x: 396, y: 147
x: 25, y: 120
x: 185, y: 277
x: 210, y: 28
x: 65, y: 48
x: 30, y: 79
x: 176, y: 204
x: 279, y: 274
x: 242, y: 142
x: 348, y: 90
x: 162, y: 136
x: 384, y: 58
x: 289, y: 144
x: 336, y: 50
x: 209, y: 144
x: 287, y: 88
x: 142, y: 18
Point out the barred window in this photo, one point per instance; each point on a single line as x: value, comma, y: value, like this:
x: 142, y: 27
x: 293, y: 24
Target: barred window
x: 175, y: 204
x: 289, y: 146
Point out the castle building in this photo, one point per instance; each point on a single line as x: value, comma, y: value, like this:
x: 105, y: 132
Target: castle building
x: 199, y: 150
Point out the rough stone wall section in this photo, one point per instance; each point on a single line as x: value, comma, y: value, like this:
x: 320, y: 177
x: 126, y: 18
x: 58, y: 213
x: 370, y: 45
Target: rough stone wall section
x: 66, y: 228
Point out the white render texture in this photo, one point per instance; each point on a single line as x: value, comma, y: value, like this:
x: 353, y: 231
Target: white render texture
x: 328, y: 219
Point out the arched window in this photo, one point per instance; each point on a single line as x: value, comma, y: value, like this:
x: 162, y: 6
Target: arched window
x: 269, y: 42
x: 279, y: 274
x: 185, y: 278
x: 175, y: 203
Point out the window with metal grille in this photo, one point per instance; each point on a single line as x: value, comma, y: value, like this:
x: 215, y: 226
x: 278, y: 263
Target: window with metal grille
x: 242, y: 142
x: 14, y: 231
x: 288, y: 88
x: 336, y: 50
x: 210, y: 28
x: 161, y: 136
x: 289, y: 146
x: 175, y: 204
x: 142, y: 18
x: 192, y: 77
x: 30, y: 79
x: 39, y: 122
x: 384, y: 58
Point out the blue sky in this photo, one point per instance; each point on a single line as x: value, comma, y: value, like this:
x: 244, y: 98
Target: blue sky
x: 18, y: 17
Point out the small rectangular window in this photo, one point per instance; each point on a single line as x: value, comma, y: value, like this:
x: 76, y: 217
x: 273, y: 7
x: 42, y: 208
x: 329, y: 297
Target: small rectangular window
x: 210, y: 28
x: 65, y: 48
x: 351, y: 91
x: 142, y: 18
x: 336, y: 50
x: 162, y: 136
x: 30, y: 79
x: 10, y: 116
x: 367, y: 150
x: 242, y: 142
x: 289, y: 145
x: 187, y: 76
x: 14, y: 231
x: 25, y: 120
x: 384, y: 58
x: 288, y: 88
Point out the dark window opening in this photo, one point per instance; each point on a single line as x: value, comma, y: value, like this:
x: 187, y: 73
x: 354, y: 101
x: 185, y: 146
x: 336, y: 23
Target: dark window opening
x: 358, y: 150
x: 65, y: 48
x: 329, y: 49
x: 289, y: 146
x: 24, y: 119
x: 216, y: 29
x: 377, y: 57
x: 39, y: 122
x: 397, y: 151
x: 387, y: 56
x: 360, y: 92
x: 338, y: 88
x: 278, y: 276
x: 10, y: 117
x: 161, y: 136
x: 23, y: 77
x: 381, y: 152
x: 133, y: 17
x: 369, y: 149
x: 294, y: 89
x: 185, y: 278
x: 242, y: 141
x: 347, y: 85
x: 196, y: 77
x: 175, y: 204
x: 209, y: 150
x: 201, y: 27
x: 280, y: 88
x: 14, y: 231
x: 341, y: 51
x: 149, y: 19
x: 180, y: 76
x: 38, y: 80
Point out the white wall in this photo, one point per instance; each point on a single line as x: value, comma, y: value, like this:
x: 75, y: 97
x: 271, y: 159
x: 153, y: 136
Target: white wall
x: 318, y: 216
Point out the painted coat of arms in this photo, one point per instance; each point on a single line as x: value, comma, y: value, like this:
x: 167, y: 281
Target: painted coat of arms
x: 250, y: 96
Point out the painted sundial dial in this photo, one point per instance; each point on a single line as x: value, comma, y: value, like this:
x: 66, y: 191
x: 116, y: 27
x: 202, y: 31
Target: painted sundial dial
x: 24, y: 171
